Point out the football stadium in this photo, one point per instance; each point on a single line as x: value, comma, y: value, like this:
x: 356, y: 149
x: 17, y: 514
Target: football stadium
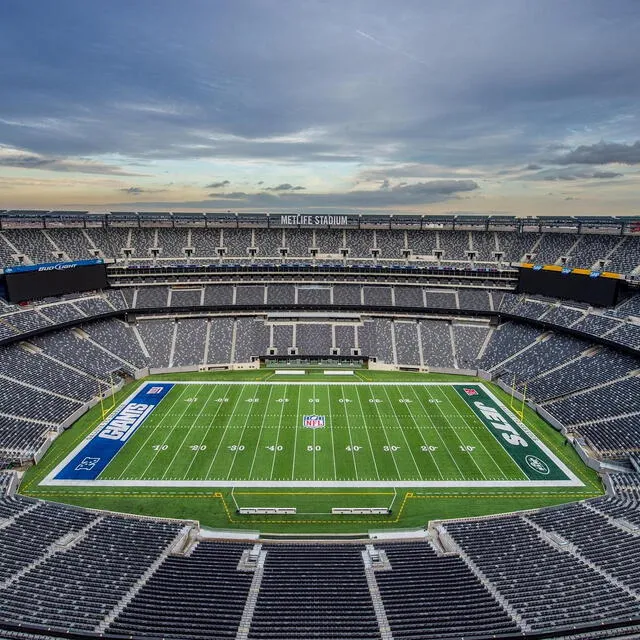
x: 182, y: 427
x: 319, y: 320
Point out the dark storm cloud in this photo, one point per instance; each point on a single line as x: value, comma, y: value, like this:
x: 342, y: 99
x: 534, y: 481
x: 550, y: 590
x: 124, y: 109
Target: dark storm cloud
x: 218, y: 185
x: 452, y: 84
x: 602, y: 153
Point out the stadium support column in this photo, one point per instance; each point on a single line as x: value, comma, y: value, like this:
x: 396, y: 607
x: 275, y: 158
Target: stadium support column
x: 376, y: 598
x: 173, y: 343
x: 207, y: 339
x: 453, y: 346
x: 234, y: 331
x: 393, y: 343
x: 420, y: 351
x: 252, y: 598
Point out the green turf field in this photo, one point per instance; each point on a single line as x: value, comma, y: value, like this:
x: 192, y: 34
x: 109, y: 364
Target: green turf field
x: 331, y: 434
x: 415, y: 442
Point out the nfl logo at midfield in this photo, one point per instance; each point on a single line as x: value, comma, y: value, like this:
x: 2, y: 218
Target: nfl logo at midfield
x: 313, y: 422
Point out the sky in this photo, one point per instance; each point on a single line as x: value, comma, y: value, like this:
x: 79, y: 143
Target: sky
x: 428, y: 106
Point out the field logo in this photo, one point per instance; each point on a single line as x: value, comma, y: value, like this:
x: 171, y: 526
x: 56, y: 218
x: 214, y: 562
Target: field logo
x: 125, y: 423
x: 508, y: 432
x: 313, y: 422
x: 87, y: 464
x: 154, y: 390
x: 470, y: 392
x: 537, y: 465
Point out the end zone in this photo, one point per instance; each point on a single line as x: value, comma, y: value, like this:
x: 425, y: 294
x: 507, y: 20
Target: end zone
x: 104, y: 442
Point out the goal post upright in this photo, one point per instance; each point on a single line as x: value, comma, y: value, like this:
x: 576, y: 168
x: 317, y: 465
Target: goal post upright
x: 393, y: 500
x: 524, y: 397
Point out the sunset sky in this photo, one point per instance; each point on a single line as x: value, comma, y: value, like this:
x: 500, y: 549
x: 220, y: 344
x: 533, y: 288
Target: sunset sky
x: 512, y: 107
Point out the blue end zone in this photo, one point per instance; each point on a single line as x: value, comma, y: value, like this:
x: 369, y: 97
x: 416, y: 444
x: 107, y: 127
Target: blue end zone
x: 89, y: 463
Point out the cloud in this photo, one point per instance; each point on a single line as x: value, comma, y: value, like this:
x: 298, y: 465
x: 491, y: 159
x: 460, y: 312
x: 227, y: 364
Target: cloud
x: 285, y: 187
x: 532, y: 167
x: 187, y: 95
x: 605, y: 175
x: 417, y: 194
x: 570, y: 174
x: 602, y: 153
x: 18, y: 159
x: 138, y: 191
x: 235, y: 195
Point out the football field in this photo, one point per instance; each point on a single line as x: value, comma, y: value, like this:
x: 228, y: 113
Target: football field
x: 263, y: 434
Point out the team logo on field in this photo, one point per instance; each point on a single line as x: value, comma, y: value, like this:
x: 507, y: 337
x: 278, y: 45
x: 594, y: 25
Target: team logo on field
x: 313, y: 422
x: 537, y: 465
x: 154, y: 390
x: 87, y: 464
x: 470, y: 392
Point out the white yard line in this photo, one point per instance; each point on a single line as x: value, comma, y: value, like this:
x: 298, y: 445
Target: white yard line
x: 275, y: 450
x: 295, y: 437
x: 224, y: 433
x: 179, y: 449
x: 453, y: 406
x: 204, y: 437
x: 313, y: 391
x: 373, y: 453
x: 437, y: 431
x: 166, y: 438
x: 333, y: 443
x: 453, y: 429
x: 283, y: 484
x: 395, y: 464
x: 415, y: 462
x: 137, y: 453
x: 353, y: 454
x: 426, y: 444
x: 255, y: 453
x: 244, y: 428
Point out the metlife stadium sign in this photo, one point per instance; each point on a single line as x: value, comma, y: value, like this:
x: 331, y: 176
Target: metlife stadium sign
x: 300, y: 220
